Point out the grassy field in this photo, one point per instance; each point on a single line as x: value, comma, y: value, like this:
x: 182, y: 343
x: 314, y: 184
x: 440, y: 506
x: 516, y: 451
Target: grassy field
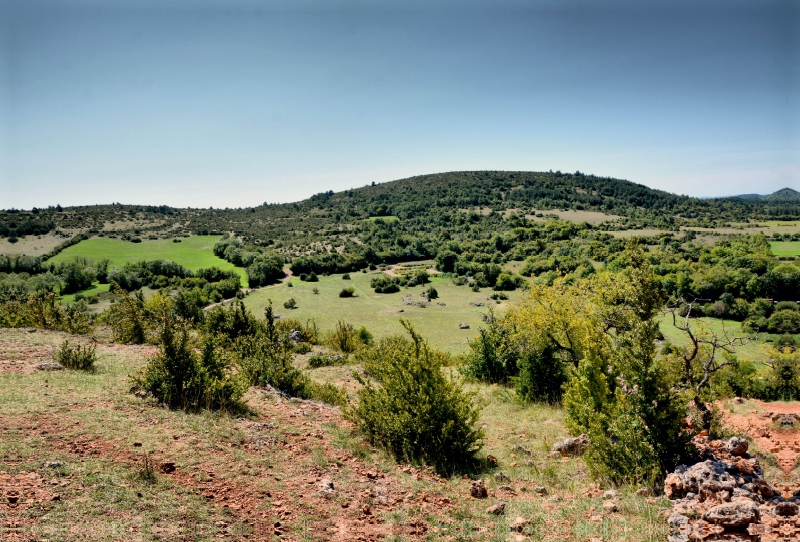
x: 722, y: 328
x: 786, y: 248
x: 78, y: 443
x: 193, y: 252
x: 390, y: 218
x: 380, y: 313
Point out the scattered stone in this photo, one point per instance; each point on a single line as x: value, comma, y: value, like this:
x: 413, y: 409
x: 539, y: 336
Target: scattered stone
x: 610, y: 494
x: 50, y: 366
x: 167, y: 467
x: 462, y: 325
x: 137, y: 444
x: 520, y: 449
x: 541, y: 491
x: 571, y: 446
x: 737, y: 446
x: 644, y: 492
x: 326, y: 486
x: 55, y: 464
x: 554, y: 498
x: 491, y: 460
x: 498, y: 509
x: 502, y: 477
x: 610, y: 507
x: 401, y: 310
x: 30, y: 329
x: 478, y: 490
x: 519, y: 524
x: 507, y: 489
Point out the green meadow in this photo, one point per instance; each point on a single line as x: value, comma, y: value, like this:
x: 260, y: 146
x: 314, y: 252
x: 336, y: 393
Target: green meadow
x: 785, y: 248
x: 380, y: 313
x: 192, y: 252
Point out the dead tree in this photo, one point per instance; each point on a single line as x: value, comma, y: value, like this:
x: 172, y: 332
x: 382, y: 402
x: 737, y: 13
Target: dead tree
x: 700, y: 358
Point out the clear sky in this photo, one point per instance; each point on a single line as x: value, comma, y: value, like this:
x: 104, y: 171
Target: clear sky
x: 236, y: 102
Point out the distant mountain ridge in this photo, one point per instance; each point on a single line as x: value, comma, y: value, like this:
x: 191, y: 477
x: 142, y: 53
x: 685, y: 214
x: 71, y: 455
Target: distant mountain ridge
x: 784, y: 194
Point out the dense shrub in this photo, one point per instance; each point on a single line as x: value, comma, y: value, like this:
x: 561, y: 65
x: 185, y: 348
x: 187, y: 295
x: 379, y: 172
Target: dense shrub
x: 384, y: 284
x: 181, y: 378
x: 621, y: 393
x: 129, y: 317
x: 492, y: 358
x: 291, y: 304
x: 325, y: 360
x: 343, y: 338
x: 541, y: 376
x: 231, y: 322
x: 413, y: 409
x: 77, y: 357
x: 266, y: 360
x: 347, y: 292
x: 784, y: 321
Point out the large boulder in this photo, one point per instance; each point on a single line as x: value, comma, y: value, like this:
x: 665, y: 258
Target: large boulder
x: 571, y: 446
x: 733, y: 514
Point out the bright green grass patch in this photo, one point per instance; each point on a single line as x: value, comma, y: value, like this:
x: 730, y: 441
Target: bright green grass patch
x: 722, y: 328
x: 785, y: 248
x: 390, y: 218
x: 379, y: 313
x: 192, y: 252
x: 96, y: 288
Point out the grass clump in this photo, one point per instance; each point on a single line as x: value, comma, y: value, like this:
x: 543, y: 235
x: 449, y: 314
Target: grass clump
x: 415, y: 411
x: 76, y: 357
x: 325, y: 360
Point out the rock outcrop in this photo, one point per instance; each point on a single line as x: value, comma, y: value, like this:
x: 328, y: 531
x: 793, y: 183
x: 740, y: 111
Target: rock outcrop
x: 725, y: 497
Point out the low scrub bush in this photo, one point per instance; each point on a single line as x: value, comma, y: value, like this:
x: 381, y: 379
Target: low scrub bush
x: 326, y: 360
x: 347, y: 292
x: 343, y: 338
x: 180, y: 377
x: 384, y: 284
x: 291, y: 304
x: 266, y: 360
x: 412, y: 409
x: 77, y: 357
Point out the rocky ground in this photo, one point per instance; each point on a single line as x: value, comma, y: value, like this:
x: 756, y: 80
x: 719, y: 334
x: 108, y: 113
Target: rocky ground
x: 725, y: 496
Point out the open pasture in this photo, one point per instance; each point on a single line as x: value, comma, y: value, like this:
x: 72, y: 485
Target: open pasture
x: 381, y: 313
x: 193, y: 252
x: 785, y: 248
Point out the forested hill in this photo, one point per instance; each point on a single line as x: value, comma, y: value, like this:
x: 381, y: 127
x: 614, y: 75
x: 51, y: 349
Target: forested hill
x: 427, y: 199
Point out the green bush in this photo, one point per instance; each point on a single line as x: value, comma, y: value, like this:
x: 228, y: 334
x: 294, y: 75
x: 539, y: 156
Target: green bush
x: 413, y: 410
x: 541, y: 376
x: 384, y: 284
x: 491, y: 356
x: 266, y: 360
x: 346, y: 276
x: 128, y: 317
x: 291, y: 304
x: 77, y: 357
x: 343, y: 338
x: 784, y: 321
x: 181, y: 378
x: 431, y: 293
x: 325, y: 360
x: 347, y: 292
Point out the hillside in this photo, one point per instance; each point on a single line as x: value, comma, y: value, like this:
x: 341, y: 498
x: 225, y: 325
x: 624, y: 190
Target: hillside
x: 426, y: 197
x: 782, y: 195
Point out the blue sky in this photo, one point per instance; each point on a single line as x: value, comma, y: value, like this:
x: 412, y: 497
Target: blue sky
x: 237, y: 102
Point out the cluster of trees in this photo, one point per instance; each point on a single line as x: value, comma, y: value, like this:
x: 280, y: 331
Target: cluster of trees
x: 262, y: 268
x: 592, y: 344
